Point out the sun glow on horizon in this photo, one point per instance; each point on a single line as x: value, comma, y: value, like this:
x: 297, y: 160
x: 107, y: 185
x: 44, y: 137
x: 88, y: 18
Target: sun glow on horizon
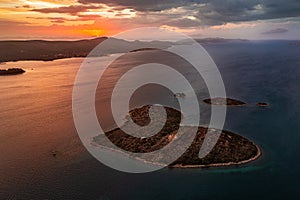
x: 43, y: 19
x: 55, y: 18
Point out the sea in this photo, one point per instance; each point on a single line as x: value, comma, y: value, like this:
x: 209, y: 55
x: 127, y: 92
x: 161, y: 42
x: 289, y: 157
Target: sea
x: 42, y: 157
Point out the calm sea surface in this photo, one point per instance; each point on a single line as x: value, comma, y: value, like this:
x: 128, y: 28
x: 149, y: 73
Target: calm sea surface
x: 36, y: 119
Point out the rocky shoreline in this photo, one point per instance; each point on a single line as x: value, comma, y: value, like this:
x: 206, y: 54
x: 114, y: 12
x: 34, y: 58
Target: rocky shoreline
x: 221, y: 164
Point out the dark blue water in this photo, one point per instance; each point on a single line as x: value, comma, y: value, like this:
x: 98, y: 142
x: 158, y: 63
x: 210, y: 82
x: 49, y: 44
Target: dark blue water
x: 252, y: 71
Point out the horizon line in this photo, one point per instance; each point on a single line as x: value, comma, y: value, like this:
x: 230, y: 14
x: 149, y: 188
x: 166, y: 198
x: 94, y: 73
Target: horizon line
x: 99, y: 37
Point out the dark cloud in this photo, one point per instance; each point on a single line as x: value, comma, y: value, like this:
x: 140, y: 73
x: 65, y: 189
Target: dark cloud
x: 213, y: 12
x: 26, y: 6
x: 183, y: 23
x: 141, y: 5
x: 121, y: 15
x: 63, y: 19
x: 4, y: 23
x: 206, y: 12
x: 58, y: 21
x: 276, y: 31
x: 53, y: 19
x: 217, y: 12
x: 73, y: 10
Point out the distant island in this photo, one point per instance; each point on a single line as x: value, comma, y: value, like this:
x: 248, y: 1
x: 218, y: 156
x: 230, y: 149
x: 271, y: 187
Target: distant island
x: 11, y: 71
x: 224, y: 101
x: 219, y: 40
x: 231, y: 149
x: 219, y: 101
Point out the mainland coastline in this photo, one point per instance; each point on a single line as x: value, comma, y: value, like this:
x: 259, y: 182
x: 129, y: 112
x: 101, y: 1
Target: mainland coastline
x: 224, y: 101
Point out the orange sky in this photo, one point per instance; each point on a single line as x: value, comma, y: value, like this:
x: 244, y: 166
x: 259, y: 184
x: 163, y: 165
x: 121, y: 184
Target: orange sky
x: 22, y: 19
x: 70, y: 19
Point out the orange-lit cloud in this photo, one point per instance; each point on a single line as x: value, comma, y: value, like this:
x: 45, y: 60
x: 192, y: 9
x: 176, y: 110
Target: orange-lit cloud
x: 89, y: 18
x: 53, y: 18
x: 234, y: 26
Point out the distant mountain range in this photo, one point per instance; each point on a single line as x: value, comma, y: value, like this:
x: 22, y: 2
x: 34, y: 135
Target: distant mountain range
x: 51, y: 50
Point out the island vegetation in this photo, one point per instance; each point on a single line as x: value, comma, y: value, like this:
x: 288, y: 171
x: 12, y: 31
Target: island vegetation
x: 231, y: 149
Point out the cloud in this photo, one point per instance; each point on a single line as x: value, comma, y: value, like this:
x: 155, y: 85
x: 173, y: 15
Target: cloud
x: 58, y: 21
x: 174, y: 12
x: 276, y: 31
x: 239, y: 17
x: 140, y: 5
x: 64, y: 19
x: 8, y: 23
x: 72, y: 10
x: 212, y: 12
x: 217, y: 12
x: 183, y: 23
